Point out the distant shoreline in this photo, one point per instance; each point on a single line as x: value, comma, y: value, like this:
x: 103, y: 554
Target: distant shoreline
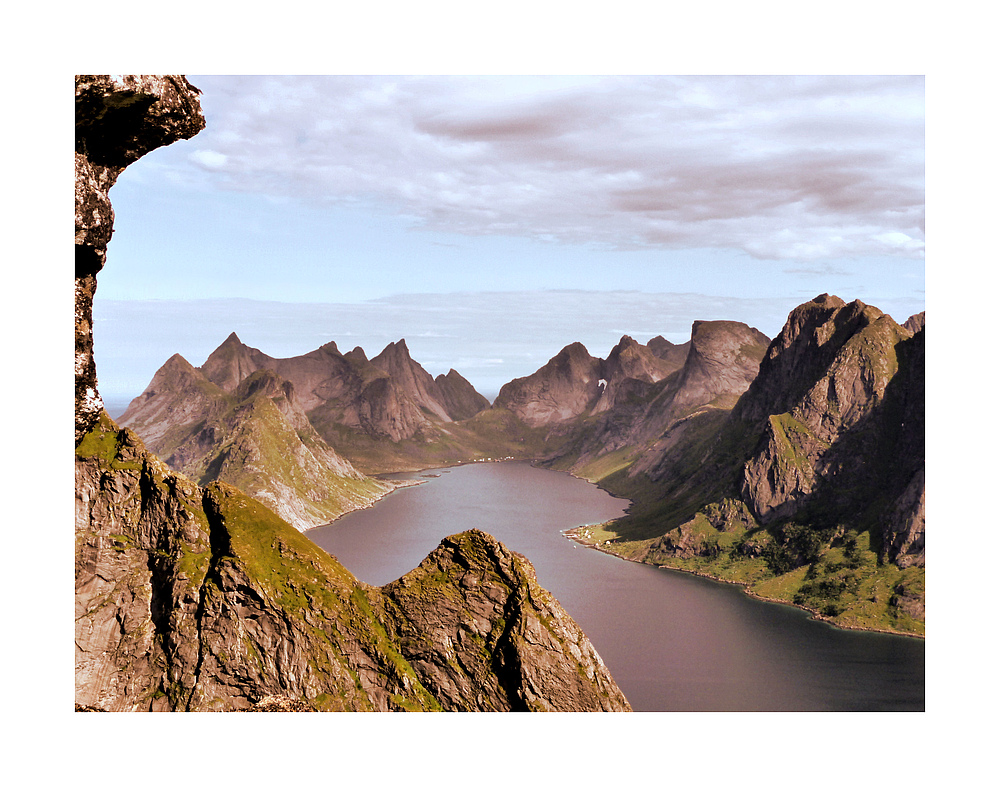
x: 572, y: 536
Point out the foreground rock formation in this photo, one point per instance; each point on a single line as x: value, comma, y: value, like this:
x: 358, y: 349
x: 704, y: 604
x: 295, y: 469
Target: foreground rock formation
x: 119, y: 119
x: 201, y: 598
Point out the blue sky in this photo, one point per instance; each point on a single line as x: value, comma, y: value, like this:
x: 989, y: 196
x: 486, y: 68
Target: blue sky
x: 547, y: 210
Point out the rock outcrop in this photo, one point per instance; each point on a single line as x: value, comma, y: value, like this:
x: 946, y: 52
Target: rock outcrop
x: 119, y: 119
x: 201, y: 598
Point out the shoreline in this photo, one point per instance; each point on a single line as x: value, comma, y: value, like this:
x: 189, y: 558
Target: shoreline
x: 814, y: 614
x: 370, y: 504
x: 572, y: 536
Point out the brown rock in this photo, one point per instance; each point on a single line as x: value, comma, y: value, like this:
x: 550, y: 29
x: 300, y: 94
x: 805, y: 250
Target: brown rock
x: 118, y: 120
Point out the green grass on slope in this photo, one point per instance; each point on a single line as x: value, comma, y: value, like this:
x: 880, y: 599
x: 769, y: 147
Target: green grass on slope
x: 311, y: 587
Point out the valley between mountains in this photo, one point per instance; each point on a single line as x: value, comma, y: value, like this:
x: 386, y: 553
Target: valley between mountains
x: 794, y: 465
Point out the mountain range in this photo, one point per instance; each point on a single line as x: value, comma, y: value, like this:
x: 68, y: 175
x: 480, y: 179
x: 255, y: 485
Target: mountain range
x: 745, y: 458
x: 793, y: 465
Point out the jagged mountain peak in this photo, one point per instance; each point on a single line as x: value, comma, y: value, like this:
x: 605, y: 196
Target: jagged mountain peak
x: 631, y: 360
x: 395, y: 350
x: 674, y: 354
x: 567, y: 386
x: 803, y: 352
x: 357, y: 354
x: 574, y: 350
x: 231, y: 362
x: 458, y: 395
x: 176, y: 363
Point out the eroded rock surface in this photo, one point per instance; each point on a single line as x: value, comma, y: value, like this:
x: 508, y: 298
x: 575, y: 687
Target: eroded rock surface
x: 508, y: 654
x: 200, y: 598
x: 118, y: 120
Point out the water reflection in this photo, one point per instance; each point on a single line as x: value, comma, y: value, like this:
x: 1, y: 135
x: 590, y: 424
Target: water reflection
x: 673, y: 641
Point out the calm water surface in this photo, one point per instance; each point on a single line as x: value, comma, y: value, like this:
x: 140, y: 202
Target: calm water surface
x: 672, y: 641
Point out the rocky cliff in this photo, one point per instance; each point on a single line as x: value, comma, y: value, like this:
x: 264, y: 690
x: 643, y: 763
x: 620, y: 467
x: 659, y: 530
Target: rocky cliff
x: 119, y: 119
x: 568, y: 386
x: 459, y: 398
x: 201, y: 598
x: 817, y: 473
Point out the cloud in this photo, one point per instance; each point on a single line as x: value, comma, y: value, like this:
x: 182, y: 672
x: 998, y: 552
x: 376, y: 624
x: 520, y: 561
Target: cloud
x: 210, y: 159
x: 777, y: 167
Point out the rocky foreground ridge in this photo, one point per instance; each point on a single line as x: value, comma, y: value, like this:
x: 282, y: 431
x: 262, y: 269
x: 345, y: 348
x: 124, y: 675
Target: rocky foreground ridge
x: 201, y: 598
x: 196, y: 597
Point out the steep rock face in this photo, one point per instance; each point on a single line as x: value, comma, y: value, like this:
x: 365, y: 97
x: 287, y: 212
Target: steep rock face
x: 915, y: 323
x: 722, y: 361
x: 195, y: 598
x: 845, y: 357
x: 902, y: 423
x: 411, y: 378
x: 509, y: 654
x: 390, y: 396
x: 567, y: 386
x: 645, y: 395
x: 118, y: 120
x: 459, y: 397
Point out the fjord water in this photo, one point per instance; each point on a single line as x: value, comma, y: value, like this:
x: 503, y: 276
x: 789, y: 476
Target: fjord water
x: 672, y: 641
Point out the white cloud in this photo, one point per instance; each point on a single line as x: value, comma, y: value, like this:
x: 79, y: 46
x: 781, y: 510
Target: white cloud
x: 778, y: 167
x: 211, y: 159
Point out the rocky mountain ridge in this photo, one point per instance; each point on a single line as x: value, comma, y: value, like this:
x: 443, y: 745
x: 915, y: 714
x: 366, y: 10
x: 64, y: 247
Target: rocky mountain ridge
x: 811, y: 488
x: 390, y: 396
x: 639, y: 405
x: 200, y: 598
x: 256, y: 437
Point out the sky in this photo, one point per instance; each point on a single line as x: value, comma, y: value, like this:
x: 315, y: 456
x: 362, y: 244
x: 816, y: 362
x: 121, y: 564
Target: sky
x: 490, y: 221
